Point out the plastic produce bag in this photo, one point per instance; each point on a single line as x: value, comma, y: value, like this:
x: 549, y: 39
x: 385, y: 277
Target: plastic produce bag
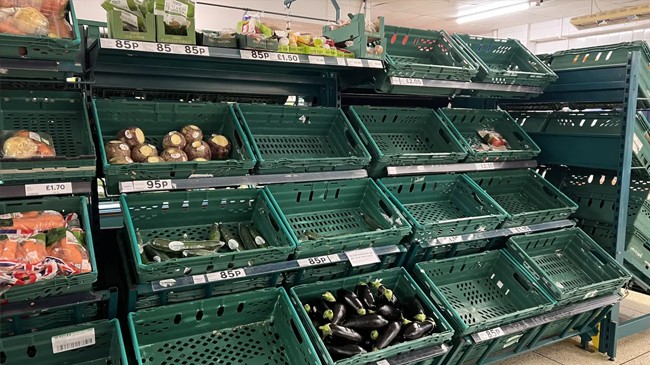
x: 25, y: 144
x: 63, y: 244
x: 177, y: 15
x: 45, y: 18
x: 31, y: 222
x: 132, y: 13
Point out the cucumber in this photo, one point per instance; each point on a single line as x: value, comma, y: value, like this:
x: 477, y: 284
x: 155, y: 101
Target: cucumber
x: 154, y: 255
x: 198, y: 252
x: 215, y: 235
x: 166, y: 245
x: 246, y: 237
x: 259, y: 240
x: 231, y: 240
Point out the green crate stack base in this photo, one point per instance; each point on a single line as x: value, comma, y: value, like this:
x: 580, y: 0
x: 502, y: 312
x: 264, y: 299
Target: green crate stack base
x: 568, y: 264
x: 57, y: 285
x: 174, y: 214
x: 467, y: 353
x: 49, y: 319
x: 43, y: 48
x: 37, y: 347
x: 526, y: 196
x: 63, y: 116
x: 302, y: 139
x: 505, y: 61
x: 467, y: 122
x: 156, y: 119
x: 405, y: 137
x: 335, y: 211
x: 607, y: 56
x: 259, y: 327
x: 471, y: 290
x: 396, y: 279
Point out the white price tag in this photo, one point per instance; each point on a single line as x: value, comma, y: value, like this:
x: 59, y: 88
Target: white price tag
x: 490, y: 334
x: 395, y: 81
x: 317, y: 60
x: 362, y: 257
x: 590, y: 294
x: 144, y: 185
x: 341, y: 61
x: 383, y: 362
x: 269, y: 56
x: 486, y: 166
x: 73, y: 340
x: 411, y: 82
x: 522, y: 229
x: 198, y: 279
x: 123, y: 44
x: 375, y: 64
x: 226, y: 275
x: 48, y: 189
x: 637, y: 145
x: 320, y: 260
x: 449, y: 239
x: 190, y: 50
x: 354, y: 62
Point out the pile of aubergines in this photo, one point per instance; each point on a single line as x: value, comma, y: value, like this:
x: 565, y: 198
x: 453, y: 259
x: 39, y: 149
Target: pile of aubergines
x: 369, y: 319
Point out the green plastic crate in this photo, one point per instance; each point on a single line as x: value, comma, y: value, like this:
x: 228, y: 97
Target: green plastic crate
x: 607, y: 56
x: 302, y: 139
x: 259, y: 327
x: 336, y: 211
x: 397, y: 280
x: 526, y: 196
x: 63, y: 116
x: 467, y: 352
x: 356, y: 32
x: 156, y: 119
x: 423, y: 54
x: 170, y: 215
x: 505, y: 61
x: 481, y: 291
x: 43, y: 48
x: 405, y: 137
x: 467, y: 122
x: 38, y: 347
x: 531, y: 121
x: 49, y: 319
x: 59, y: 284
x: 568, y: 264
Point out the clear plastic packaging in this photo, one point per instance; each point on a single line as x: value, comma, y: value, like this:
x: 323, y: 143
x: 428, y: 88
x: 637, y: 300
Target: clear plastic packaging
x: 26, y: 144
x: 489, y: 140
x: 31, y: 222
x: 44, y: 18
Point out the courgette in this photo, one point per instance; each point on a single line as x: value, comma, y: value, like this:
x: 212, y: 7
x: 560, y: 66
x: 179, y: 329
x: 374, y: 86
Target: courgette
x: 178, y: 246
x: 154, y: 255
x: 230, y: 239
x: 215, y: 235
x: 259, y: 240
x: 246, y: 237
x: 198, y: 252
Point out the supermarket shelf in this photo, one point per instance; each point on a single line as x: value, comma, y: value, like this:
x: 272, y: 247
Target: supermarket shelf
x: 464, y: 85
x: 179, y: 50
x: 220, y: 182
x: 552, y: 316
x: 20, y: 68
x: 45, y: 189
x: 505, y: 232
x: 459, y: 167
x: 277, y: 267
x: 49, y: 304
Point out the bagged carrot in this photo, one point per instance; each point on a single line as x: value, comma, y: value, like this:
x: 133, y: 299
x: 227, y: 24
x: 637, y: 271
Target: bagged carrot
x: 33, y: 248
x: 63, y: 244
x: 10, y: 250
x: 30, y: 222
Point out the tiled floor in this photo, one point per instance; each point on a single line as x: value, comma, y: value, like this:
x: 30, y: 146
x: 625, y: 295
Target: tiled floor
x: 633, y: 350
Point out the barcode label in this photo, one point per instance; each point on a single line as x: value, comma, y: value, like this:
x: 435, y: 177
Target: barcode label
x: 73, y: 340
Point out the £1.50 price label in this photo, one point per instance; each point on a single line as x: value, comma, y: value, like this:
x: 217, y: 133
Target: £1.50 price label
x: 226, y: 275
x: 48, y: 189
x: 269, y: 56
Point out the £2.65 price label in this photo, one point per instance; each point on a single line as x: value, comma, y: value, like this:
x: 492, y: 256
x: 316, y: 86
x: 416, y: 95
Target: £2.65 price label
x: 226, y: 275
x: 48, y: 189
x: 269, y: 56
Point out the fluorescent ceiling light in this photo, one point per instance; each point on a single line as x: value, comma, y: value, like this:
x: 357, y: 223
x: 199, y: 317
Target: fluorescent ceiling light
x: 493, y: 13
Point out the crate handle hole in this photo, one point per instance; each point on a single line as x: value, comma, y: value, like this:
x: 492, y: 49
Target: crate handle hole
x: 384, y: 207
x: 298, y: 197
x: 220, y: 311
x: 350, y: 138
x: 238, y: 139
x: 3, y: 357
x: 523, y: 282
x: 295, y: 331
x: 274, y: 223
x: 199, y: 315
x: 177, y: 319
x: 518, y: 136
x: 444, y: 135
x: 240, y: 307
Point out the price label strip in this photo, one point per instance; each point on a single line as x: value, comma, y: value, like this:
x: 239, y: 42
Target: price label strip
x: 490, y: 334
x: 362, y: 257
x: 522, y: 229
x: 486, y: 166
x: 147, y: 185
x: 48, y: 189
x: 320, y: 260
x: 155, y: 47
x: 73, y: 340
x: 317, y: 60
x: 449, y: 239
x: 225, y: 275
x: 269, y: 56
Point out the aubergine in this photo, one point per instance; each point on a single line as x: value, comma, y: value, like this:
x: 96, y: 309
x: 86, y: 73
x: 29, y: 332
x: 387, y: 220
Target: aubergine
x: 329, y: 297
x: 318, y: 310
x: 363, y: 292
x: 344, y: 351
x: 388, y: 336
x: 351, y: 300
x: 385, y: 295
x: 338, y: 313
x: 390, y: 312
x: 414, y: 330
x: 344, y: 333
x: 413, y: 309
x: 368, y: 322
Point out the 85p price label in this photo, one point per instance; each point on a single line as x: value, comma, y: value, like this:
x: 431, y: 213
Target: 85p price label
x: 226, y: 275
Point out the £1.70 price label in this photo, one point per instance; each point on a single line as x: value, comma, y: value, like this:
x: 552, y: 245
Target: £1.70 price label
x: 226, y: 275
x: 48, y: 189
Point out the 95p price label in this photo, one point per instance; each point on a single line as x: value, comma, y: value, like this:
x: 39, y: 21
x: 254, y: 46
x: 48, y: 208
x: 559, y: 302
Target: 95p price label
x: 145, y: 185
x: 48, y: 189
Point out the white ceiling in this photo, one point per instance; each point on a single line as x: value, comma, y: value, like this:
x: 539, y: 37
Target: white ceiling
x: 442, y: 14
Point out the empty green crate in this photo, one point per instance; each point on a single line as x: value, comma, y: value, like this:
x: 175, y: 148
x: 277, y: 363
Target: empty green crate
x: 405, y: 137
x: 467, y: 122
x: 467, y: 352
x: 174, y: 214
x: 403, y: 286
x: 259, y: 327
x: 423, y: 54
x: 611, y: 55
x: 338, y: 215
x: 49, y: 347
x: 439, y: 252
x: 505, y: 61
x: 481, y: 291
x: 156, y: 119
x: 57, y: 285
x: 568, y: 264
x: 63, y: 116
x: 43, y: 48
x: 531, y: 121
x: 526, y: 196
x: 302, y: 139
